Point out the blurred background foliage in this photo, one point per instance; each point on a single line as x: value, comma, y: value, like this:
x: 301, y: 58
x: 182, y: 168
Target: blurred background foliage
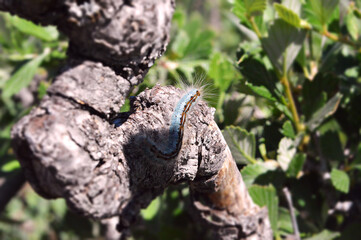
x: 287, y: 92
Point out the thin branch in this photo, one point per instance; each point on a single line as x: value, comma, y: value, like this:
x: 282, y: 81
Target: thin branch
x: 292, y: 212
x: 292, y: 106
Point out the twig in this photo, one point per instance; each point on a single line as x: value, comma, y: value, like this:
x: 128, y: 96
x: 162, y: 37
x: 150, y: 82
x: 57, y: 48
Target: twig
x: 292, y: 212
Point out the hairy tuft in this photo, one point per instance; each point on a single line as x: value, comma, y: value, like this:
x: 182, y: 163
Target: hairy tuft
x: 202, y: 84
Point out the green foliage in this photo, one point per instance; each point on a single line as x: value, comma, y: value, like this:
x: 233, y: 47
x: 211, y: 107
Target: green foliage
x: 340, y: 180
x: 23, y: 76
x: 287, y: 15
x: 27, y: 51
x: 324, y: 235
x: 241, y: 143
x: 44, y: 33
x: 266, y: 196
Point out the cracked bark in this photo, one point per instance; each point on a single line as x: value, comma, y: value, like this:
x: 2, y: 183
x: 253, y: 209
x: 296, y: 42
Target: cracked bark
x: 69, y: 148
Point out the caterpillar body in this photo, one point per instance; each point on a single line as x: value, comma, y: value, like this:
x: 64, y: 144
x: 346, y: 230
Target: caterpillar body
x: 176, y: 129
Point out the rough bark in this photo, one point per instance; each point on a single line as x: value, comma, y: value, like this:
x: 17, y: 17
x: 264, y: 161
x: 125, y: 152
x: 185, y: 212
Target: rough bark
x: 69, y: 147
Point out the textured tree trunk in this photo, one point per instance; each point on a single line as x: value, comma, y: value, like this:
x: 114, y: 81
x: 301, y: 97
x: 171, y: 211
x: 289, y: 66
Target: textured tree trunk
x: 69, y: 147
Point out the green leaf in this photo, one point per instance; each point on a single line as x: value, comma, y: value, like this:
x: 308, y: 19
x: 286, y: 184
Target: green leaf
x: 324, y: 235
x: 222, y: 71
x: 241, y: 143
x: 260, y: 80
x: 284, y: 222
x: 287, y: 130
x: 180, y: 43
x: 266, y: 196
x: 23, y: 76
x: 286, y: 151
x: 287, y: 15
x: 321, y: 10
x: 283, y: 43
x: 59, y: 207
x: 296, y: 165
x: 261, y: 91
x: 150, y: 212
x: 48, y: 34
x: 340, y: 180
x: 252, y: 171
x: 327, y: 110
x: 200, y: 45
x: 254, y: 7
x: 10, y: 166
x: 353, y: 26
x: 293, y: 5
x: 283, y: 108
x: 240, y: 11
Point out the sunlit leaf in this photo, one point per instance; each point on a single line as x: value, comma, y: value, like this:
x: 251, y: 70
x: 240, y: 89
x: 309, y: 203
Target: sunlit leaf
x: 23, y: 76
x: 241, y: 143
x: 287, y: 15
x: 340, y: 180
x: 252, y: 171
x: 327, y: 110
x: 266, y: 196
x: 222, y: 71
x: 261, y: 91
x: 150, y: 212
x: 324, y: 235
x: 287, y: 130
x: 286, y: 151
x: 10, y: 166
x: 254, y: 7
x: 296, y: 165
x: 322, y: 10
x: 353, y: 26
x: 283, y: 43
x: 49, y: 33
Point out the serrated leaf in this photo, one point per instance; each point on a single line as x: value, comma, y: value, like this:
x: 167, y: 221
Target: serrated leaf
x: 150, y: 212
x: 260, y: 80
x: 340, y: 180
x: 222, y: 71
x: 240, y: 11
x: 254, y: 7
x: 241, y: 143
x: 287, y: 130
x: 296, y: 165
x: 287, y: 15
x: 327, y: 110
x: 23, y: 76
x: 252, y: 171
x: 322, y: 10
x: 283, y: 43
x: 324, y: 235
x: 49, y: 33
x: 293, y: 5
x: 10, y: 166
x: 261, y: 91
x: 266, y: 196
x: 286, y: 151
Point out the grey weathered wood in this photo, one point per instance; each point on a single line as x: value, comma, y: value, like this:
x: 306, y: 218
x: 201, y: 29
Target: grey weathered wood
x: 68, y: 146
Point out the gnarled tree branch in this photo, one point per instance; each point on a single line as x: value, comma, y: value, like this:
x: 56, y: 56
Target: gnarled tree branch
x: 69, y: 147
